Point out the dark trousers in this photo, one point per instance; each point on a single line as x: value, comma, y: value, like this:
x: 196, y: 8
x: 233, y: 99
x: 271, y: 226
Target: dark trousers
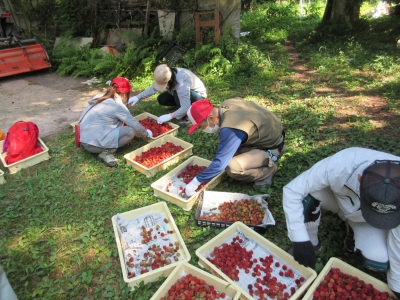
x: 166, y: 99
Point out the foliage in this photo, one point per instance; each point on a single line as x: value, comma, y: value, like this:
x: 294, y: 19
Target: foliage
x: 138, y: 57
x: 56, y: 238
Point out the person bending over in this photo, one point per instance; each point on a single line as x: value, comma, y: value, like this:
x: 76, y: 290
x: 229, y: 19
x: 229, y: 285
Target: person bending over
x: 183, y: 89
x: 363, y: 187
x: 251, y: 140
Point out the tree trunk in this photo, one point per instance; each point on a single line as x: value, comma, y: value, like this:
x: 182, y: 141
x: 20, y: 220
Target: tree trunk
x: 342, y: 12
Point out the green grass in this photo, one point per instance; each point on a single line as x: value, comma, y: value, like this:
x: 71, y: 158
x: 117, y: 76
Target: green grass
x: 56, y: 237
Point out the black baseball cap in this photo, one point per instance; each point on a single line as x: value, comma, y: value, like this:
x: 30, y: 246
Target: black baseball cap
x: 380, y: 194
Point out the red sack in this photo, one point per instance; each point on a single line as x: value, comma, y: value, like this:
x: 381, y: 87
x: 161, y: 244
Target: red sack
x: 21, y: 142
x: 78, y: 135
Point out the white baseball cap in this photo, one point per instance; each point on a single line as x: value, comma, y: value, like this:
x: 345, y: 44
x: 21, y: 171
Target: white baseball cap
x: 162, y: 74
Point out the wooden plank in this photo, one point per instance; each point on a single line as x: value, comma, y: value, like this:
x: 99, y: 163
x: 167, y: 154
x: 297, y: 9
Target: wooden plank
x: 209, y: 23
x: 199, y: 37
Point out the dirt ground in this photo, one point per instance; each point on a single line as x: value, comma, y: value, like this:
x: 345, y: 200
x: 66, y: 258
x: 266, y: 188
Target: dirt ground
x: 47, y: 99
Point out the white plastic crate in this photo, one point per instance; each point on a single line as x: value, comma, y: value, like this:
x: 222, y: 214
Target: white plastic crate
x: 160, y: 185
x: 149, y: 172
x: 73, y: 125
x: 308, y: 273
x: 27, y: 162
x: 2, y: 180
x: 185, y: 268
x: 152, y: 275
x: 334, y: 262
x: 173, y: 131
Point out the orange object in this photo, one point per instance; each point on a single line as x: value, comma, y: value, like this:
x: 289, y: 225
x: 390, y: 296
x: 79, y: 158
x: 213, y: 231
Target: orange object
x: 1, y: 135
x: 23, y: 59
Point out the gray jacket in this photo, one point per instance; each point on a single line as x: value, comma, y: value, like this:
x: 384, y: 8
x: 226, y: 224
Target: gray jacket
x: 100, y: 124
x: 186, y: 81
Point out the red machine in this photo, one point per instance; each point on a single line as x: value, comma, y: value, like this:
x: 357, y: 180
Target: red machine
x: 17, y: 55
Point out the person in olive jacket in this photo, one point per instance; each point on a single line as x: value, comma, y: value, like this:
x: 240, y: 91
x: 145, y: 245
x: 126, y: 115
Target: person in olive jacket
x: 251, y: 140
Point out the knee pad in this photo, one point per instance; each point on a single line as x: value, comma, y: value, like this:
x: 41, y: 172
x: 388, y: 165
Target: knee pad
x: 311, y: 209
x: 371, y: 264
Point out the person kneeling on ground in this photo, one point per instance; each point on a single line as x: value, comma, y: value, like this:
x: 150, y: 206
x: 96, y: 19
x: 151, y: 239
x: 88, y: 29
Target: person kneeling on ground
x: 363, y: 187
x: 183, y: 89
x: 251, y: 140
x: 101, y: 123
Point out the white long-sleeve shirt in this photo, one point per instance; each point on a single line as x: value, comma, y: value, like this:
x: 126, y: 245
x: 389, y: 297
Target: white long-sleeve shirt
x: 339, y: 172
x: 186, y: 81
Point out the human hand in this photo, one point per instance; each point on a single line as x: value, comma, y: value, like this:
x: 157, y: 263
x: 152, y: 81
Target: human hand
x: 149, y: 133
x: 164, y: 118
x: 133, y: 100
x: 191, y: 187
x: 304, y: 253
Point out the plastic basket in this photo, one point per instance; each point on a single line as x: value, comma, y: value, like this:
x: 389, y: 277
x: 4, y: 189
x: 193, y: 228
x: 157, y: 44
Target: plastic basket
x: 173, y: 54
x: 27, y: 162
x: 173, y: 131
x: 2, y: 180
x: 160, y: 185
x: 219, y: 284
x: 348, y: 269
x: 163, y: 271
x: 308, y: 273
x: 73, y: 125
x: 221, y: 224
x: 149, y: 172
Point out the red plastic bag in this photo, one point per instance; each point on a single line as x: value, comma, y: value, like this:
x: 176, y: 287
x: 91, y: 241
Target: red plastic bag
x: 21, y: 142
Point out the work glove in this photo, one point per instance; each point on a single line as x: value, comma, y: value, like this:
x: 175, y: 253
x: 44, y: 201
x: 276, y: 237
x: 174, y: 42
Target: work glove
x: 397, y: 294
x: 191, y: 187
x: 133, y: 100
x: 304, y: 253
x: 149, y: 133
x: 164, y: 118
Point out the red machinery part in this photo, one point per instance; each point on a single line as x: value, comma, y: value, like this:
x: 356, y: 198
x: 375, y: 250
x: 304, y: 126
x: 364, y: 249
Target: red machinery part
x: 23, y: 59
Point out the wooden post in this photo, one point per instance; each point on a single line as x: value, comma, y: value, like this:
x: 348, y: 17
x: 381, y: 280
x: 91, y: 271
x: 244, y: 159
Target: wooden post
x: 199, y: 36
x: 146, y: 21
x: 212, y: 23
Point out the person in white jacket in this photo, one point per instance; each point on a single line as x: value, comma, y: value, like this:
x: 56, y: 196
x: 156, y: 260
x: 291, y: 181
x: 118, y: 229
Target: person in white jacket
x: 363, y: 187
x: 183, y: 89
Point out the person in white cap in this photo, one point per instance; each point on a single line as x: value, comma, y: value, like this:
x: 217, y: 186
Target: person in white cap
x: 183, y: 89
x: 251, y: 140
x: 101, y: 123
x: 363, y: 187
x: 6, y: 291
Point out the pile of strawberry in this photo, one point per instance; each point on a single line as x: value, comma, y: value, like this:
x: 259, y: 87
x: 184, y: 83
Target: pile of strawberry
x: 339, y: 285
x: 156, y: 257
x: 191, y: 172
x: 247, y: 211
x: 155, y: 155
x: 187, y: 176
x: 230, y: 257
x: 156, y: 129
x: 191, y: 287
